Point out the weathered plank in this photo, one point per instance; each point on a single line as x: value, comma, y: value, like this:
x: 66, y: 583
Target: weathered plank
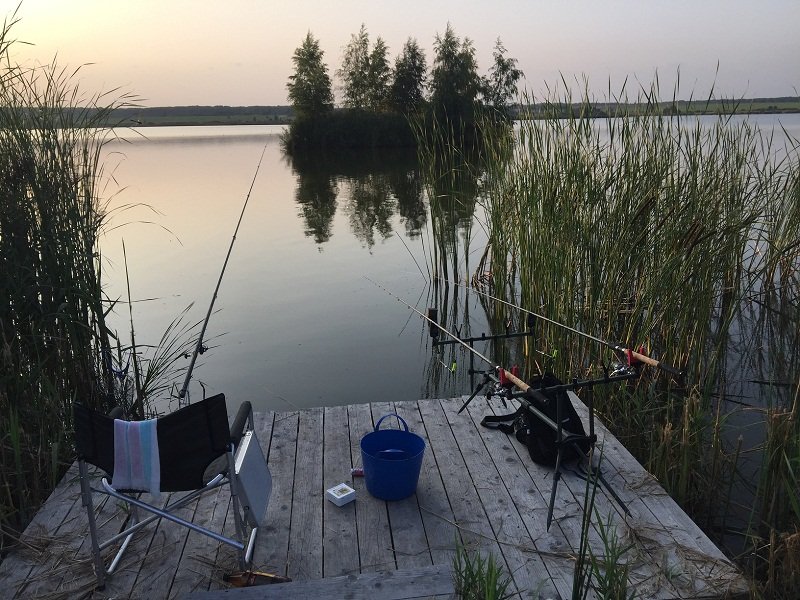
x: 470, y: 517
x: 404, y: 584
x: 525, y: 565
x: 408, y: 532
x: 272, y: 543
x: 197, y: 559
x: 409, y: 539
x: 79, y: 577
x: 305, y: 535
x: 18, y: 568
x: 160, y: 564
x: 339, y: 539
x: 437, y: 516
x: 571, y: 503
x: 197, y: 564
x: 521, y: 478
x: 372, y: 520
x: 688, y: 558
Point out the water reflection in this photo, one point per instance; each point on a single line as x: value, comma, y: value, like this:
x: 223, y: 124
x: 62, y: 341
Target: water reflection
x: 369, y: 187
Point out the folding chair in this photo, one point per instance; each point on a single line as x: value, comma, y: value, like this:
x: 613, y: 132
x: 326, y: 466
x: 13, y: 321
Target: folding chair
x: 197, y: 453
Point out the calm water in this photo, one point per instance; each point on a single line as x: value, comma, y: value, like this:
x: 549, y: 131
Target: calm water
x: 297, y: 323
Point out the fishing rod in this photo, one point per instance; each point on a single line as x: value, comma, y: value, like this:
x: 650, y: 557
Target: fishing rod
x: 199, y: 348
x: 506, y: 379
x: 632, y: 355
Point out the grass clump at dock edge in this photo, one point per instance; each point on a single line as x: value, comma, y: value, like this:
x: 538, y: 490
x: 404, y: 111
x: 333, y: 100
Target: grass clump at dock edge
x: 479, y: 578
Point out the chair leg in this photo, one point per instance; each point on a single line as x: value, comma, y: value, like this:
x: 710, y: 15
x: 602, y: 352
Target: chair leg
x: 127, y: 540
x: 237, y: 516
x: 88, y: 504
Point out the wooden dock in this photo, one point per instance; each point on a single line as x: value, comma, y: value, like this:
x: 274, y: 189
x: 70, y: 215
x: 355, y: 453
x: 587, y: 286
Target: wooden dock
x: 477, y: 487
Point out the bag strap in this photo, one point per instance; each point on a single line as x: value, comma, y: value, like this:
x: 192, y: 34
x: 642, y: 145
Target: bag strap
x: 501, y: 422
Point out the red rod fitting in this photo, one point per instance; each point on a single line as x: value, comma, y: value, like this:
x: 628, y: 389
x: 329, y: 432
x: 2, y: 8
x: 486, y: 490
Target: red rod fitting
x: 633, y: 361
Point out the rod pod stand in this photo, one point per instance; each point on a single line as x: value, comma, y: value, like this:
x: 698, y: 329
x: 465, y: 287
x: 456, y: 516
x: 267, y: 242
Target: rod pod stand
x: 564, y: 437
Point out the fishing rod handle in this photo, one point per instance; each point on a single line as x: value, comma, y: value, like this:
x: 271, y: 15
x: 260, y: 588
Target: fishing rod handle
x: 656, y: 363
x: 514, y: 379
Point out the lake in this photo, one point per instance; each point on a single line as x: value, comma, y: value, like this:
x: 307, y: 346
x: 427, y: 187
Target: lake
x: 297, y: 323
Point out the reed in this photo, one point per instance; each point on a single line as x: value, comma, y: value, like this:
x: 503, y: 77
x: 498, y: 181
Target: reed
x: 53, y: 334
x: 678, y: 234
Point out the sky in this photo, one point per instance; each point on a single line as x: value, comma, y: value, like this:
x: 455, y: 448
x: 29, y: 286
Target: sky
x: 238, y: 52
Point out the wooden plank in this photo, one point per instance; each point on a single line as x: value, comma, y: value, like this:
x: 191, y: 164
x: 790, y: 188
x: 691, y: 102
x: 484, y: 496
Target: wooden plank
x: 409, y: 539
x: 372, y: 520
x: 403, y: 584
x: 644, y: 572
x: 525, y: 564
x: 437, y: 516
x: 78, y: 576
x: 123, y: 581
x: 30, y: 559
x: 688, y: 559
x: 72, y: 573
x: 60, y: 560
x: 471, y: 480
x: 564, y: 536
x: 405, y: 521
x: 272, y: 543
x: 197, y: 560
x: 224, y: 557
x: 305, y: 536
x: 470, y: 517
x: 528, y: 487
x: 339, y: 537
x: 643, y: 560
x: 197, y: 564
x: 160, y: 564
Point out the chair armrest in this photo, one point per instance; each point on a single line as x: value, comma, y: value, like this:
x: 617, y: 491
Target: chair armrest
x: 239, y: 423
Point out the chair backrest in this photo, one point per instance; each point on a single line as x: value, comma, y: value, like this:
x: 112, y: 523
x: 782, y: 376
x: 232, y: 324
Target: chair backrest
x: 189, y: 439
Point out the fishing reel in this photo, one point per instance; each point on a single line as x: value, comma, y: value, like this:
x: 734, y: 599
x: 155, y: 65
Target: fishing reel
x: 618, y: 369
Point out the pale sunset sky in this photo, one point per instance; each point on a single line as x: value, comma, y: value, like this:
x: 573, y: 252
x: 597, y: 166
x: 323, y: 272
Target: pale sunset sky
x: 238, y: 52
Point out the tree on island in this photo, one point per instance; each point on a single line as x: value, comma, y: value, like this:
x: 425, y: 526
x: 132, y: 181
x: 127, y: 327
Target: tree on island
x: 407, y: 92
x: 379, y: 99
x: 354, y: 70
x: 501, y: 85
x: 378, y: 76
x: 365, y: 74
x: 310, y: 87
x: 455, y: 83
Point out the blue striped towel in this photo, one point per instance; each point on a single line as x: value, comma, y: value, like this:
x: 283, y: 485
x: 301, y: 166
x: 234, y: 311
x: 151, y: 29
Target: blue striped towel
x: 136, y: 460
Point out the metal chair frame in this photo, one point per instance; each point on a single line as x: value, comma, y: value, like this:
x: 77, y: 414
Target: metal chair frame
x: 244, y: 547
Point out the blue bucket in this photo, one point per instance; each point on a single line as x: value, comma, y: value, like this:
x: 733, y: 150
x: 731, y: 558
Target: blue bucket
x: 392, y: 459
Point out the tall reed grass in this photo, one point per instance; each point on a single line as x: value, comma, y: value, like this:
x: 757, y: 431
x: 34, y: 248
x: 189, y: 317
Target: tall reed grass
x: 680, y: 235
x: 54, y: 344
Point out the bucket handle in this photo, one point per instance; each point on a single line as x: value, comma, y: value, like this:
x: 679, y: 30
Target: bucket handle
x: 399, y: 418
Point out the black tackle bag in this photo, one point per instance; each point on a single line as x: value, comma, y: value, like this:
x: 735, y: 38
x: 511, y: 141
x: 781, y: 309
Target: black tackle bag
x: 539, y: 438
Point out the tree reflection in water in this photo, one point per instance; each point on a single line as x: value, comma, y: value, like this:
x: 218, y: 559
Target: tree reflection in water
x: 370, y: 187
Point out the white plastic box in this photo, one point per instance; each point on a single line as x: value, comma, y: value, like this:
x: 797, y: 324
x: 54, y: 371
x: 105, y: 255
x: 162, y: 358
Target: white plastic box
x: 340, y: 494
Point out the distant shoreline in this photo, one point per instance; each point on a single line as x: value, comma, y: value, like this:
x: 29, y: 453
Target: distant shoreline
x: 171, y: 116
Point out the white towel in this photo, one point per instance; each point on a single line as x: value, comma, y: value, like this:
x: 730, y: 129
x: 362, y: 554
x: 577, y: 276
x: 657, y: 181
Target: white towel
x: 136, y: 460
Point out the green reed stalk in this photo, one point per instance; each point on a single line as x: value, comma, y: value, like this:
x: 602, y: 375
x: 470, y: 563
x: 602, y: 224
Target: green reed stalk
x: 52, y: 321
